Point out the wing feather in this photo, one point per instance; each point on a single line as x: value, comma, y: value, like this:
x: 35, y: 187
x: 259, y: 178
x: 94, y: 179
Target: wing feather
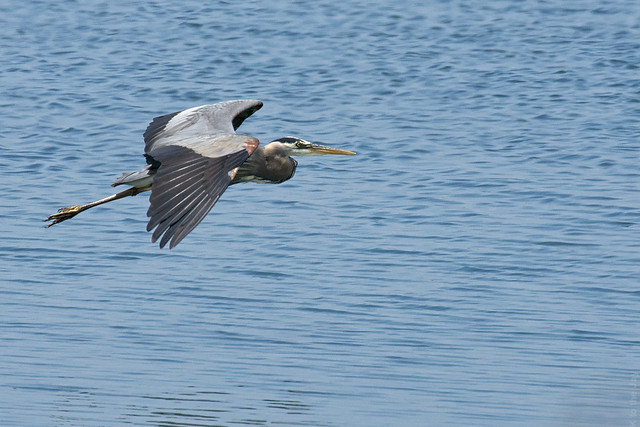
x: 191, y: 220
x: 172, y: 193
x: 196, y: 153
x: 189, y: 182
x: 220, y: 118
x: 174, y: 217
x: 173, y: 202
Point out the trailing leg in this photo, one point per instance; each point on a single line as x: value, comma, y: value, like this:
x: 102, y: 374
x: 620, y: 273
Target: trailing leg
x: 64, y: 214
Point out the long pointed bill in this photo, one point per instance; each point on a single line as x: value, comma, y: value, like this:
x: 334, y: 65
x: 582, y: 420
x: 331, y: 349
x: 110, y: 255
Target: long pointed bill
x: 321, y: 149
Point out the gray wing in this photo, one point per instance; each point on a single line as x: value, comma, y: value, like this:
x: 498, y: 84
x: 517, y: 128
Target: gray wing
x: 190, y: 181
x: 221, y: 118
x: 198, y: 155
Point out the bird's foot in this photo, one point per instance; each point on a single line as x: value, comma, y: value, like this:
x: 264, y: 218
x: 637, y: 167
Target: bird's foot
x: 64, y: 214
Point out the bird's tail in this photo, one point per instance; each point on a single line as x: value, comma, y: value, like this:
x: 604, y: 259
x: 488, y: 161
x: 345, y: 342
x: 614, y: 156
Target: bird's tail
x: 141, y: 178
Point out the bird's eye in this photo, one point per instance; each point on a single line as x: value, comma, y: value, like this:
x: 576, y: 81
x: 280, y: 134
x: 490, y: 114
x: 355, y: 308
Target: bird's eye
x: 299, y: 144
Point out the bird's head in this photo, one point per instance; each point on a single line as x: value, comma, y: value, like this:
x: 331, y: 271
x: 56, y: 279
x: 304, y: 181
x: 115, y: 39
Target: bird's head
x: 292, y: 146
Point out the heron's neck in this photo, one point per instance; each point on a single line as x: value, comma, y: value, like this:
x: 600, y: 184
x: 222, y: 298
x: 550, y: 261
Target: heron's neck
x: 266, y: 166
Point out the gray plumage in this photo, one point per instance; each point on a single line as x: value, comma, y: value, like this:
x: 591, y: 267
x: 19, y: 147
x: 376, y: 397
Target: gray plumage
x: 192, y: 157
x: 268, y: 164
x: 197, y: 152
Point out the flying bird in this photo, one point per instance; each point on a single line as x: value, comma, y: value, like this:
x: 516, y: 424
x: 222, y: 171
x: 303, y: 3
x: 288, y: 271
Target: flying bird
x: 192, y: 157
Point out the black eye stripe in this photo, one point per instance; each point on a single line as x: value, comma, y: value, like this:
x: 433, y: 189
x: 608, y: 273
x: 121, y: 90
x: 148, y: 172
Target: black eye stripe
x: 289, y: 140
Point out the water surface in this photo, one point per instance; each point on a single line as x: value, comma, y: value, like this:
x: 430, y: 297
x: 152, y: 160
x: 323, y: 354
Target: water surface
x: 477, y: 263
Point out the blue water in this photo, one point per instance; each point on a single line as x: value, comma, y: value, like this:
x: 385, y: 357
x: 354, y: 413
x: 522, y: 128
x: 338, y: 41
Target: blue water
x: 477, y: 263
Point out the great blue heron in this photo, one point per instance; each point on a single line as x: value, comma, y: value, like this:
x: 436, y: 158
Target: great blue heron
x: 192, y: 157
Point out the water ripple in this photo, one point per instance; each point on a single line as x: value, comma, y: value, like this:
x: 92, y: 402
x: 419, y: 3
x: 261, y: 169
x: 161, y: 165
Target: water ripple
x: 475, y: 264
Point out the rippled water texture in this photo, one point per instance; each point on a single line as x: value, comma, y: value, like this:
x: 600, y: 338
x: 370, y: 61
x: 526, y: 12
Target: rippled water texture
x: 477, y: 263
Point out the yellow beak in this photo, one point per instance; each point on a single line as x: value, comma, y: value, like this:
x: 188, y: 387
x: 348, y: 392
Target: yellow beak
x: 321, y: 149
